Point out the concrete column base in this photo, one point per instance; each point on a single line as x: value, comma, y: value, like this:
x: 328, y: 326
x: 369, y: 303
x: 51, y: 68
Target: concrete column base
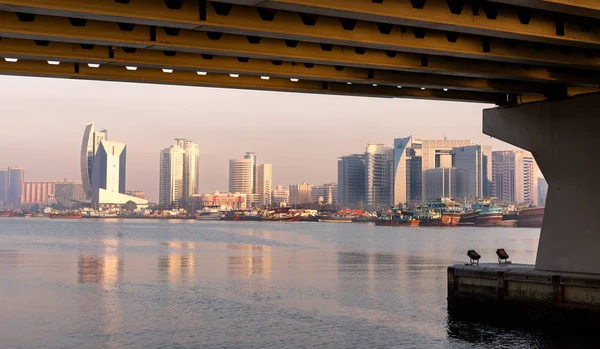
x: 564, y: 137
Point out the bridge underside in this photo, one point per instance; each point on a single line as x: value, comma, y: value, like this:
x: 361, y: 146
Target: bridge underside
x: 502, y: 52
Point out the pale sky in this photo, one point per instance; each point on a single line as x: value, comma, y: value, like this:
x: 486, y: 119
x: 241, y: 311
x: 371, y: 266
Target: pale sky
x: 302, y: 135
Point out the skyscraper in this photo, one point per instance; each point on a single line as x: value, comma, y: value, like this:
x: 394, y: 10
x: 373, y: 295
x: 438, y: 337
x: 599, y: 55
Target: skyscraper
x: 103, y: 167
x: 436, y: 154
x: 190, y: 168
x: 515, y: 177
x: 171, y: 179
x: 263, y: 181
x: 109, y: 171
x: 379, y: 173
x: 300, y: 194
x: 89, y: 147
x: 474, y: 161
x: 351, y: 180
x: 252, y: 157
x: 241, y: 178
x: 442, y: 182
x: 407, y: 171
x: 3, y: 186
x: 16, y: 179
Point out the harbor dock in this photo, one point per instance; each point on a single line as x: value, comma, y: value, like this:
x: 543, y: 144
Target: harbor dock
x: 519, y: 294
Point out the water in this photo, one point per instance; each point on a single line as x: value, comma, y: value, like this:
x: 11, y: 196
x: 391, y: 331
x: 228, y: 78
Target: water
x: 187, y: 284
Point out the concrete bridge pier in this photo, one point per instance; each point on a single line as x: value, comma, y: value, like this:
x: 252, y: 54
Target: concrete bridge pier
x: 563, y: 288
x: 564, y: 138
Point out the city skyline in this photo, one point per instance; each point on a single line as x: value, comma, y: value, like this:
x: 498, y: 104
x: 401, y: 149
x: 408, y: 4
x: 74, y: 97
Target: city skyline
x: 332, y: 125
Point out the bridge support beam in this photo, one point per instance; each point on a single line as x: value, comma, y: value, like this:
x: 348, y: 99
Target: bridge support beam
x: 564, y: 137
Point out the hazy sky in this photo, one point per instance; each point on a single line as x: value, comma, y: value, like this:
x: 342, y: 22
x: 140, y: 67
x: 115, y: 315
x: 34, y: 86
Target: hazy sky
x: 42, y: 124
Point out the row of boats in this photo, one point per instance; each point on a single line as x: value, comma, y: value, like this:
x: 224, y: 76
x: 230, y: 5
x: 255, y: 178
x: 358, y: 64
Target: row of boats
x: 445, y: 212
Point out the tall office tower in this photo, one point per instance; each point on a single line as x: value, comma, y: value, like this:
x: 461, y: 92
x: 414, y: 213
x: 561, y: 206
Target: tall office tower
x: 442, y: 182
x: 515, y: 177
x: 436, y: 154
x: 379, y: 173
x: 171, y: 179
x: 89, y: 147
x: 16, y: 179
x: 3, y: 186
x: 351, y: 180
x: 37, y: 192
x: 252, y: 157
x: 280, y: 196
x: 264, y: 173
x: 190, y: 168
x: 241, y: 179
x: 475, y: 163
x: 300, y: 194
x: 407, y: 171
x: 109, y: 171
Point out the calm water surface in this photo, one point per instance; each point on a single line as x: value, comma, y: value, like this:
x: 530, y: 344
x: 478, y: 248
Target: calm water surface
x: 180, y: 284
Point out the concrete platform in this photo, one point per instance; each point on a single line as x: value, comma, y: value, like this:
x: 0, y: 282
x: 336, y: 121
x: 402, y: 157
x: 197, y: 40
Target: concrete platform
x: 518, y: 294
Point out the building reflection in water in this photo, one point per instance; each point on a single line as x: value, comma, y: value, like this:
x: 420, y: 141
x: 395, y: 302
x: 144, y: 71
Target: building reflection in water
x: 179, y: 263
x: 106, y: 268
x: 100, y: 306
x: 255, y: 260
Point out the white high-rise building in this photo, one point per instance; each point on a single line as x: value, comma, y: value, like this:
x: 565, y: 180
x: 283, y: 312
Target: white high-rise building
x: 190, y: 168
x: 515, y: 177
x: 379, y: 172
x: 252, y: 157
x: 171, y: 184
x: 407, y: 171
x: 89, y: 147
x: 241, y: 177
x: 109, y: 171
x: 264, y: 173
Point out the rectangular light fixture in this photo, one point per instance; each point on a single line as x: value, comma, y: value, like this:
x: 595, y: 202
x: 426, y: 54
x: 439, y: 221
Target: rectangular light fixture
x: 201, y: 73
x: 294, y: 79
x: 128, y: 67
x: 54, y: 62
x: 234, y: 75
x: 265, y: 77
x: 11, y: 60
x: 168, y: 71
x: 93, y: 65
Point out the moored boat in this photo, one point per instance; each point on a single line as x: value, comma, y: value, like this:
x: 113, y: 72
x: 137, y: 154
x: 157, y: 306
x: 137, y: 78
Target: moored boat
x: 208, y: 214
x: 531, y: 218
x: 489, y: 217
x: 72, y: 215
x: 397, y: 218
x: 468, y: 218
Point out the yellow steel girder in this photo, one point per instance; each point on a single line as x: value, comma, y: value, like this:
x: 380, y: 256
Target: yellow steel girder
x: 68, y: 52
x: 245, y: 20
x: 583, y: 8
x: 189, y: 78
x: 489, y: 20
x: 139, y: 36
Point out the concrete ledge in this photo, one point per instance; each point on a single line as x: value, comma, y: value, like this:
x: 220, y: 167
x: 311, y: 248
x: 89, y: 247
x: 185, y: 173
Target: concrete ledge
x: 520, y: 294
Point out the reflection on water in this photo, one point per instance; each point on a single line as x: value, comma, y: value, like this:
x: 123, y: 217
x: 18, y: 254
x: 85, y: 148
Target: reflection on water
x: 225, y: 285
x: 255, y: 260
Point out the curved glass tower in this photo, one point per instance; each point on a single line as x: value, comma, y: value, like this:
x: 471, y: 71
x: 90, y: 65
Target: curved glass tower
x: 89, y: 147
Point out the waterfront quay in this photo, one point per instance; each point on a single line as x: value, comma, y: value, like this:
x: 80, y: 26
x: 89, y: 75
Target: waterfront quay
x: 518, y: 294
